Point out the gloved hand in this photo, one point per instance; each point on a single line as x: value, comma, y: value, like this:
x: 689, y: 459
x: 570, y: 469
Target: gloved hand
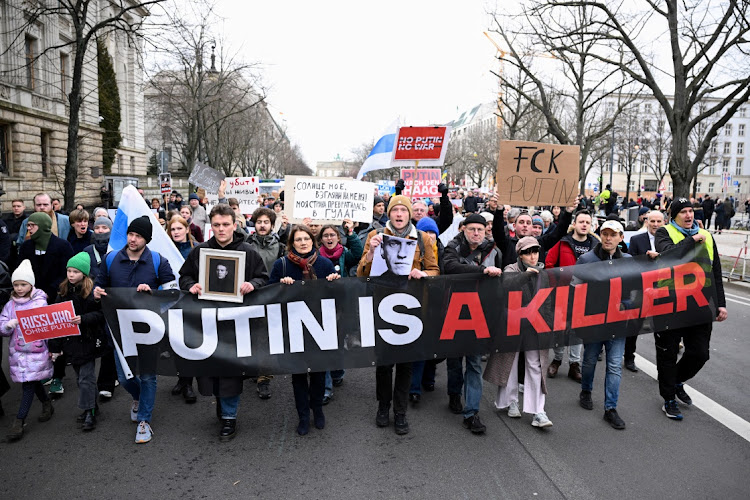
x: 400, y: 185
x: 12, y: 324
x: 442, y: 188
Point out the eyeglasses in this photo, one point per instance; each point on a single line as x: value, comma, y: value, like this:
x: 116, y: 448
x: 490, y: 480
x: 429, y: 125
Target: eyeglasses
x: 529, y: 251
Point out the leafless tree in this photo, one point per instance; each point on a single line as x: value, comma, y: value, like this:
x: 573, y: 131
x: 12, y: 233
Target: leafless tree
x: 89, y: 20
x: 573, y: 108
x: 708, y: 46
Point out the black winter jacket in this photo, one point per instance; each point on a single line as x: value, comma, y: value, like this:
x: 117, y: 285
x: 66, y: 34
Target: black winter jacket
x: 92, y: 342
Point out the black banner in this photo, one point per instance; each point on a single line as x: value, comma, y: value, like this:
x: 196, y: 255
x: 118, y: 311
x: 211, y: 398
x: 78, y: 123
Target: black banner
x: 357, y: 322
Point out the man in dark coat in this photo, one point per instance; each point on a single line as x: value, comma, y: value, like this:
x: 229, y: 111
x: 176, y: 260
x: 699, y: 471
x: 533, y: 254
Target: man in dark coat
x: 708, y: 210
x: 226, y: 389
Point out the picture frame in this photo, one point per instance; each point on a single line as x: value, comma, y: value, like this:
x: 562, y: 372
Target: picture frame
x: 221, y: 274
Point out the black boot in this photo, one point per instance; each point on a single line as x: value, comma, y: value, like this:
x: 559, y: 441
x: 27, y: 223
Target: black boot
x: 179, y: 387
x: 228, y: 429
x: 16, y: 430
x: 89, y: 424
x: 80, y: 419
x: 383, y: 418
x: 304, y: 422
x: 47, y: 411
x: 189, y: 395
x: 318, y: 418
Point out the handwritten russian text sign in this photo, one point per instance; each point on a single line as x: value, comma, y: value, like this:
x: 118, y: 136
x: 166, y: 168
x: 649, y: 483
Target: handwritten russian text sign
x: 328, y: 200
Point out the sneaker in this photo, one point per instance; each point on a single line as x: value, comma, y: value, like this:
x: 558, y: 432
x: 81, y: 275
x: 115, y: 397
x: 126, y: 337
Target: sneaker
x: 264, y: 390
x: 134, y: 412
x: 228, y: 429
x: 513, y: 411
x: 105, y: 395
x: 541, y: 420
x: 630, y: 365
x: 89, y: 423
x: 327, y: 399
x: 144, y: 433
x: 400, y: 424
x: 415, y: 398
x: 520, y: 388
x: 474, y: 424
x: 682, y: 395
x: 383, y: 417
x: 56, y: 387
x: 614, y: 419
x: 584, y: 399
x: 337, y: 381
x: 454, y: 403
x: 671, y: 410
x: 47, y: 381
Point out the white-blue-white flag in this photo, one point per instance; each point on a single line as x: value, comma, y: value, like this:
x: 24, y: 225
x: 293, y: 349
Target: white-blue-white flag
x: 381, y: 155
x: 132, y: 206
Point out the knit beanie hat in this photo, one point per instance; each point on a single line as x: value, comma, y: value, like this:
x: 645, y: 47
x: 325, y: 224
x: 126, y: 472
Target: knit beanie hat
x: 80, y: 261
x: 43, y: 234
x: 475, y: 219
x: 142, y: 226
x: 193, y: 196
x: 537, y: 221
x: 427, y: 224
x: 678, y: 204
x: 24, y: 272
x: 103, y: 221
x: 400, y: 200
x: 376, y: 200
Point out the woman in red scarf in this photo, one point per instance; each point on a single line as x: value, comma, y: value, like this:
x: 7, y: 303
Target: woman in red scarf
x: 302, y: 262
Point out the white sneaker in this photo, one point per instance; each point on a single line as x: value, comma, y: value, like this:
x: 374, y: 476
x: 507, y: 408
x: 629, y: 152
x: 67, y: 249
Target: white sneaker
x: 105, y: 394
x: 513, y: 411
x: 144, y: 433
x: 541, y: 420
x: 520, y: 388
x: 134, y: 412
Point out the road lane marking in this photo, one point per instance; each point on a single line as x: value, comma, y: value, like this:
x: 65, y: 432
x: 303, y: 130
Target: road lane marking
x: 713, y: 409
x: 737, y: 301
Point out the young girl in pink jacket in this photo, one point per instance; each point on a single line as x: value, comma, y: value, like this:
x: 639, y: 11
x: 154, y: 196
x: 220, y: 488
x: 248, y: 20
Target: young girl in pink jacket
x: 29, y: 363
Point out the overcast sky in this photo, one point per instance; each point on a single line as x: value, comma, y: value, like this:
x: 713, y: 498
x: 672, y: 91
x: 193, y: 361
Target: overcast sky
x: 340, y: 71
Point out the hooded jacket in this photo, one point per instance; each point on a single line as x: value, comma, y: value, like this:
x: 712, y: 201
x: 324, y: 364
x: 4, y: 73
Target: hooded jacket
x: 92, y: 342
x: 63, y: 228
x: 28, y: 362
x: 562, y: 253
x: 269, y: 248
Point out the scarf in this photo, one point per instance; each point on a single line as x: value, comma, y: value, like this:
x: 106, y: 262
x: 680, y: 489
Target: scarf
x: 44, y: 230
x: 101, y: 241
x: 404, y: 233
x: 687, y: 232
x: 305, y: 262
x: 334, y: 254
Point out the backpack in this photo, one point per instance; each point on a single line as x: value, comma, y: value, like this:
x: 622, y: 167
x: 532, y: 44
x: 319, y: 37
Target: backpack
x: 155, y: 258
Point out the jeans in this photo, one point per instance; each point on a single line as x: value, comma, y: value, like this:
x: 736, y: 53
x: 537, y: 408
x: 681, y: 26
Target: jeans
x: 330, y: 376
x: 697, y: 339
x: 615, y: 350
x: 132, y: 385
x: 229, y: 407
x: 422, y: 374
x: 387, y: 389
x: 148, y: 397
x: 574, y: 353
x: 87, y: 391
x: 471, y: 381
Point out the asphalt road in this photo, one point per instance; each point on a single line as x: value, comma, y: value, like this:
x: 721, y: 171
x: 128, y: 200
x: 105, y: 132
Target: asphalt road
x: 580, y: 457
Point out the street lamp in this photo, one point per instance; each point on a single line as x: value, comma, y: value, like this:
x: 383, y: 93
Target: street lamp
x: 638, y: 166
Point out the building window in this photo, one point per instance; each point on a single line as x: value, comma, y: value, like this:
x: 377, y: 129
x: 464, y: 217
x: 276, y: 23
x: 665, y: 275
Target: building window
x: 646, y: 125
x: 132, y: 165
x: 711, y: 170
x: 743, y: 111
x: 4, y: 143
x: 610, y: 107
x: 727, y: 148
x: 670, y: 187
x: 650, y: 184
x: 738, y: 167
x: 631, y: 186
x: 728, y: 129
x: 119, y: 164
x: 740, y: 148
x: 30, y: 53
x: 647, y: 107
x: 698, y: 187
x: 741, y: 130
x: 64, y: 74
x: 45, y: 152
x: 710, y: 187
x: 713, y: 147
x: 725, y: 166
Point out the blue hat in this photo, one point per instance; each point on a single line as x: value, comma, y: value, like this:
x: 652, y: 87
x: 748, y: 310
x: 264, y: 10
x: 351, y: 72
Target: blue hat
x: 643, y: 210
x: 193, y: 196
x: 427, y: 224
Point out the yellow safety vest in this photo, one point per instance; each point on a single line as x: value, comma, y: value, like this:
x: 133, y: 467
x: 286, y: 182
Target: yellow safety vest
x: 677, y: 236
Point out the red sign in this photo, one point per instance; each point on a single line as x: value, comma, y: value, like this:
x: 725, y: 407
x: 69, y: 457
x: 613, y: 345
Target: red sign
x: 47, y: 322
x: 423, y: 182
x: 426, y: 145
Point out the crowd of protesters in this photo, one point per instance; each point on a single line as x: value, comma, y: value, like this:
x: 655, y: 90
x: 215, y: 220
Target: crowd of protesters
x: 48, y: 256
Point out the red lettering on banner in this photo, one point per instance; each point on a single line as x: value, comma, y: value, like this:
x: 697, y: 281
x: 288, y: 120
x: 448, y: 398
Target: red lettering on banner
x: 562, y: 295
x: 694, y: 289
x: 614, y: 314
x: 580, y: 319
x: 652, y: 293
x: 476, y: 321
x: 517, y: 312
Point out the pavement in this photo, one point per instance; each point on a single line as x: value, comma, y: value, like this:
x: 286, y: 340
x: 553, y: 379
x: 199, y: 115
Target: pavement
x: 579, y: 457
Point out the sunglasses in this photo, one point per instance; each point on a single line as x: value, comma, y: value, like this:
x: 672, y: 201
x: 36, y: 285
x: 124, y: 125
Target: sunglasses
x: 529, y: 251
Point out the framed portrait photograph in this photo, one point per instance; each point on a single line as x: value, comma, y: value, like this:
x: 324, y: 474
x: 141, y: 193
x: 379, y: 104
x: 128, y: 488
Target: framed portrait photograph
x: 394, y: 257
x: 221, y: 274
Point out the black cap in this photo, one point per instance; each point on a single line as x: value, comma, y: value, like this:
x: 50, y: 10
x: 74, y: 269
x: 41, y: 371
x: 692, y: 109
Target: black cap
x: 475, y: 219
x: 142, y: 226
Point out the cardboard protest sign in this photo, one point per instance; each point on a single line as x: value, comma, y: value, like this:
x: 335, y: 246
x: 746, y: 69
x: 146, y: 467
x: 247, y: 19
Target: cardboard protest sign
x: 245, y: 189
x: 533, y: 173
x: 422, y: 181
x: 48, y: 322
x: 206, y: 177
x: 328, y: 200
x: 165, y: 181
x: 426, y: 145
x: 394, y: 257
